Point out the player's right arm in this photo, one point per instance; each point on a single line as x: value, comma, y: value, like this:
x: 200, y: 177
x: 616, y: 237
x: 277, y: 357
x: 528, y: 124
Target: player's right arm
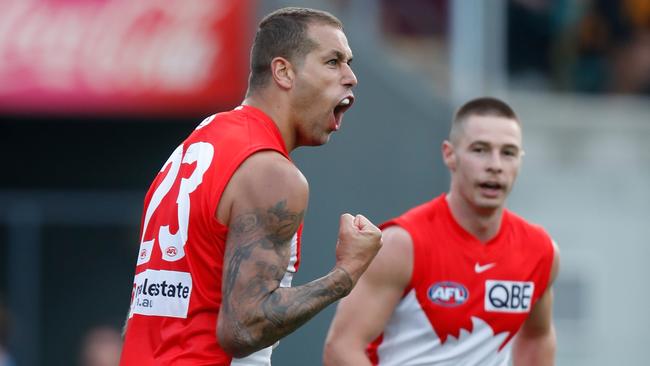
x: 362, y: 315
x: 263, y: 206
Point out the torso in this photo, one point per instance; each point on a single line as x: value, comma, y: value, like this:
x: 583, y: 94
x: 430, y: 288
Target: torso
x: 177, y: 286
x: 466, y: 299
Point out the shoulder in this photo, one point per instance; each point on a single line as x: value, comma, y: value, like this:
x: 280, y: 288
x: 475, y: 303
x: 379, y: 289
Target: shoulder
x: 412, y: 228
x: 394, y: 262
x: 264, y: 180
x: 397, y: 237
x: 219, y: 119
x: 270, y: 167
x: 267, y: 174
x: 527, y: 229
x: 540, y: 241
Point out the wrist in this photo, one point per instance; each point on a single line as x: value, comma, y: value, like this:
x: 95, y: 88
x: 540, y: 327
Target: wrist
x: 342, y: 280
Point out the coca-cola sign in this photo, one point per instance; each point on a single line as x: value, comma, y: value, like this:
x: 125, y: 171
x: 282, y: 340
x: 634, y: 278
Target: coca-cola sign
x: 123, y: 56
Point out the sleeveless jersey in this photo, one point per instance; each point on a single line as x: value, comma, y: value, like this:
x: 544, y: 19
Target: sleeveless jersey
x: 466, y: 299
x: 177, y: 287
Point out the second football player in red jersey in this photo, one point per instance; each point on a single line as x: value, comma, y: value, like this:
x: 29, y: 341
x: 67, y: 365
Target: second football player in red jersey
x: 461, y: 280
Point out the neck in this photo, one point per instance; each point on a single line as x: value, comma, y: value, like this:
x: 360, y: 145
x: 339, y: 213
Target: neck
x: 482, y: 223
x: 274, y: 108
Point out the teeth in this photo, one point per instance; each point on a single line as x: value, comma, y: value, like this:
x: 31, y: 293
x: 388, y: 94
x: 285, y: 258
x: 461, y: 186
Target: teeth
x: 345, y: 102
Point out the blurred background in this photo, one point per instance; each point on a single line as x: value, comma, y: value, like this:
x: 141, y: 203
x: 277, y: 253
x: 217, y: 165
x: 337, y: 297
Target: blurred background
x: 94, y: 96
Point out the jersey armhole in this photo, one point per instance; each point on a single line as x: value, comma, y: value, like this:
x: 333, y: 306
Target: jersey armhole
x: 547, y: 258
x: 216, y: 195
x: 414, y: 268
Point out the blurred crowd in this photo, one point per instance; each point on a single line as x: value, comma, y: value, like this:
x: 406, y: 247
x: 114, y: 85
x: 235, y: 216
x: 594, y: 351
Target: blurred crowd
x: 587, y: 46
x: 101, y: 345
x: 592, y: 46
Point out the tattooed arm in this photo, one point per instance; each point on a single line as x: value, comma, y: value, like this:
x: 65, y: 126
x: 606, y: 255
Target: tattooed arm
x: 264, y: 205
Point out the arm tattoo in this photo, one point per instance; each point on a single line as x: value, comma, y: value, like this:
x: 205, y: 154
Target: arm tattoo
x: 293, y: 307
x: 262, y: 312
x: 271, y: 229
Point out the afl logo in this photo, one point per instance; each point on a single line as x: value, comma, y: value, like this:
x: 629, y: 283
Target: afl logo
x: 448, y: 294
x: 171, y: 251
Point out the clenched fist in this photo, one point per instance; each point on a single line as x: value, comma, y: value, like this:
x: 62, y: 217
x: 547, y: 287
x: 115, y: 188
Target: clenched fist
x: 358, y: 242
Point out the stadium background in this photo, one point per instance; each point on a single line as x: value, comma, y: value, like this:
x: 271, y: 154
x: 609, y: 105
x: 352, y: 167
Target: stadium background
x: 83, y: 132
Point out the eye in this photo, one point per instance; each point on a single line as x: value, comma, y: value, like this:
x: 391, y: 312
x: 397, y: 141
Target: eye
x: 333, y: 62
x: 479, y: 149
x: 510, y: 153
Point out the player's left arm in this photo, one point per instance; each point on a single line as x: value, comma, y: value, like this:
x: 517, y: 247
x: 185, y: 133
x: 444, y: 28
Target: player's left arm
x: 535, y: 343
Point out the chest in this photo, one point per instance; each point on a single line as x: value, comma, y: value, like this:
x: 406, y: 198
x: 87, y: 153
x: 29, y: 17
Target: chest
x: 455, y: 283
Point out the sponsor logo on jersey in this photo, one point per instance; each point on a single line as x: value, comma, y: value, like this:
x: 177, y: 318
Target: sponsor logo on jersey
x: 448, y: 293
x: 508, y: 296
x: 478, y: 268
x: 161, y: 293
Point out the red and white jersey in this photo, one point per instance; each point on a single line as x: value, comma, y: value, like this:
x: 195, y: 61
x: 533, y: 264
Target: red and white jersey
x: 177, y: 286
x: 466, y: 299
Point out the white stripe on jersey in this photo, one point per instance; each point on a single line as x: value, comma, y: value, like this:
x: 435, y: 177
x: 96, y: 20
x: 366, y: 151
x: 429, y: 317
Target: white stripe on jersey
x: 291, y: 268
x: 410, y: 340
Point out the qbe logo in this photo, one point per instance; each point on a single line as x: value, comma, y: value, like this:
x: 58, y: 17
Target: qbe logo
x: 508, y: 296
x: 448, y: 293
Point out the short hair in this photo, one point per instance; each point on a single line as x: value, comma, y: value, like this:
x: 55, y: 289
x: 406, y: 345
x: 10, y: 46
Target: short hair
x: 283, y: 33
x: 484, y: 106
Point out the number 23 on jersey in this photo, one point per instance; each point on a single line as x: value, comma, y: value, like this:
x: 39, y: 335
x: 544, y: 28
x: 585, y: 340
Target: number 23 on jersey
x: 172, y: 244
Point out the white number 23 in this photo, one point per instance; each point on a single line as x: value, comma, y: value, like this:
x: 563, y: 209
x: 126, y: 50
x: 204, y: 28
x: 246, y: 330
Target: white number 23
x: 171, y: 245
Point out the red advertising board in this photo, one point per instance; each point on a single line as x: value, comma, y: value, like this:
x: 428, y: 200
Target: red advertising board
x: 142, y: 57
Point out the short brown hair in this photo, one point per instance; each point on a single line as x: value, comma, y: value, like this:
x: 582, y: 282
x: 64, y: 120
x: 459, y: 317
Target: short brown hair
x: 485, y: 106
x: 283, y: 33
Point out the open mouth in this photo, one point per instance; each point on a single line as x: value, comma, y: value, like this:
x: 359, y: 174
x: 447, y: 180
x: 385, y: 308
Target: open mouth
x: 490, y: 185
x: 341, y: 108
x: 491, y: 189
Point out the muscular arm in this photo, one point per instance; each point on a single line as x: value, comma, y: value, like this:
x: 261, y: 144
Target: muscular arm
x: 362, y: 315
x: 535, y: 342
x: 268, y: 201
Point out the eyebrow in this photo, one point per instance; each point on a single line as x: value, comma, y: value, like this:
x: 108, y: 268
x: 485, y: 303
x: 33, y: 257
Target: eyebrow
x: 340, y: 56
x: 480, y: 142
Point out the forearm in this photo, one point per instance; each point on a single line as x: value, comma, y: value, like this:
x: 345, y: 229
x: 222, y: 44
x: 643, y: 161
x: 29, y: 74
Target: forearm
x: 262, y: 321
x: 534, y: 350
x: 286, y: 309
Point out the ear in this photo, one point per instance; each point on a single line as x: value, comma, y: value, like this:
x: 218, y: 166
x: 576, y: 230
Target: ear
x: 448, y: 155
x: 282, y: 72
